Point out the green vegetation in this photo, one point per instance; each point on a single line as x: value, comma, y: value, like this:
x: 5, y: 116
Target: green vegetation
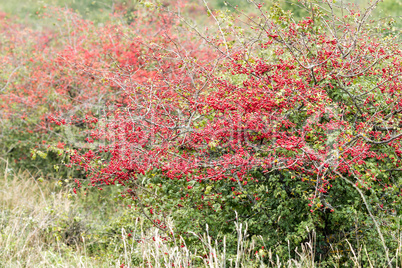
x: 29, y: 10
x: 44, y: 224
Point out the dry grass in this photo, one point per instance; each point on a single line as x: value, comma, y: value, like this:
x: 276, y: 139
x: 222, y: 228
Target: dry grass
x: 29, y: 214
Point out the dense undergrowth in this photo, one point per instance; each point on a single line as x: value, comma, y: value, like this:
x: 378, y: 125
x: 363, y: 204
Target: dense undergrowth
x: 43, y: 224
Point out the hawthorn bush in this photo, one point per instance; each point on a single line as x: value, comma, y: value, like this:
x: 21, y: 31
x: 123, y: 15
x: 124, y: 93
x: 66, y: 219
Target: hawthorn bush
x: 57, y: 81
x: 293, y: 124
